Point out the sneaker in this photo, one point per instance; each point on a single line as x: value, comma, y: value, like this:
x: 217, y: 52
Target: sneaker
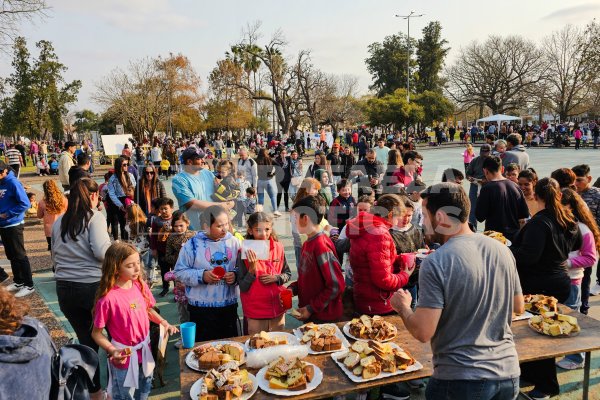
x: 24, y: 291
x: 416, y: 383
x: 164, y: 292
x: 536, y: 395
x: 595, y: 290
x: 178, y: 344
x: 3, y: 278
x: 394, y: 392
x: 568, y: 364
x: 277, y: 214
x: 14, y: 287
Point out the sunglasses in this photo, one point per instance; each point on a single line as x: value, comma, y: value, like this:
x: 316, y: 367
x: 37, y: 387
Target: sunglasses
x: 124, y: 165
x: 149, y: 173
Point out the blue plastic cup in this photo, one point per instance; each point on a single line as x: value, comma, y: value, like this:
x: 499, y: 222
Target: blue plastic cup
x: 188, y: 334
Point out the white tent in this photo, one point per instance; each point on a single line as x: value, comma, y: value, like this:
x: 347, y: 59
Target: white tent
x: 500, y: 118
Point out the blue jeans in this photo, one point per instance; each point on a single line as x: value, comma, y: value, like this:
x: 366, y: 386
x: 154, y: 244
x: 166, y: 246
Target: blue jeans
x: 473, y: 191
x: 271, y: 187
x: 505, y: 389
x: 574, y: 302
x: 119, y: 392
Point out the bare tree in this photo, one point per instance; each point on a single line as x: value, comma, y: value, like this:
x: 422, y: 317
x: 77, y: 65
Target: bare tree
x: 498, y: 73
x: 568, y: 72
x: 343, y: 108
x: 13, y: 13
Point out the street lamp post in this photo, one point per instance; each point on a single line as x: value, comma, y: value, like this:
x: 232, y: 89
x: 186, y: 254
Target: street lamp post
x: 168, y: 83
x: 407, y: 18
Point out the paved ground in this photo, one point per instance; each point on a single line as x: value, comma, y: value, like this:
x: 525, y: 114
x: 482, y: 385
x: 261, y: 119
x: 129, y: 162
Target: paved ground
x: 44, y: 304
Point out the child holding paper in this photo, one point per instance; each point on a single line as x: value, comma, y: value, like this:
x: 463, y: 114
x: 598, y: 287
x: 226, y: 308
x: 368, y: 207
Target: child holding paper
x: 261, y: 281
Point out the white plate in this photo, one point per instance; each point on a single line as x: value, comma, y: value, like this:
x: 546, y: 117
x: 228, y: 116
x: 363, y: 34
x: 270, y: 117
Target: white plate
x: 346, y: 329
x: 192, y: 362
x: 525, y: 315
x: 264, y: 384
x: 338, y: 333
x: 359, y: 379
x: 423, y: 253
x: 290, y: 338
x: 508, y: 243
x: 195, y: 389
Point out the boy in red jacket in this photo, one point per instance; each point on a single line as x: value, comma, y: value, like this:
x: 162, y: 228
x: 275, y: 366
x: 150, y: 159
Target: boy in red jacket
x: 320, y: 283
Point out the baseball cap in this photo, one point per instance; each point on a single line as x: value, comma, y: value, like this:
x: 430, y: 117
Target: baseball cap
x: 336, y: 146
x: 191, y: 153
x: 485, y: 148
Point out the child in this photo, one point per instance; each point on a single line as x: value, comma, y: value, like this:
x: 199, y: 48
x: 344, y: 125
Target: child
x: 164, y: 168
x: 511, y: 172
x: 53, y: 166
x: 226, y: 188
x: 124, y: 306
x: 325, y: 191
x: 320, y: 283
x: 308, y: 187
x: 243, y: 185
x: 33, y: 210
x: 138, y: 236
x: 468, y: 156
x: 52, y: 206
x: 261, y: 281
x: 175, y: 242
x: 249, y: 201
x: 160, y: 229
x: 212, y: 297
x: 342, y: 206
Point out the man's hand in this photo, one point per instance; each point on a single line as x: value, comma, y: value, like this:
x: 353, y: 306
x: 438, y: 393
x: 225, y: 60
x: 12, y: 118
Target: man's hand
x: 229, y: 278
x: 304, y: 314
x: 401, y: 300
x: 210, y: 278
x: 267, y: 279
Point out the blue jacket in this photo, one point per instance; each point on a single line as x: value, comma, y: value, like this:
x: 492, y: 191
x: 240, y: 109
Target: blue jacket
x: 13, y: 201
x: 200, y: 254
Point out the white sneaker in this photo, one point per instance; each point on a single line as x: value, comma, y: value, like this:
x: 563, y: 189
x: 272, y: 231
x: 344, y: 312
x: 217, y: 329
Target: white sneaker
x: 24, y: 291
x: 14, y: 287
x: 277, y: 214
x: 595, y: 290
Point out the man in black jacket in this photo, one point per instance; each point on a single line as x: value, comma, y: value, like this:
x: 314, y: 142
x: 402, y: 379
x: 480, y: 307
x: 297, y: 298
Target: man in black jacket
x: 81, y: 170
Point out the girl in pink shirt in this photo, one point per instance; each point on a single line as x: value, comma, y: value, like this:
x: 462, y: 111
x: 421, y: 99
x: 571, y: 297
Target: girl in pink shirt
x: 468, y: 156
x: 124, y: 307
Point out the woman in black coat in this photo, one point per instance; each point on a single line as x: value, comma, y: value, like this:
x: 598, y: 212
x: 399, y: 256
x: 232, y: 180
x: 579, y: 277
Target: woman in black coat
x: 284, y: 177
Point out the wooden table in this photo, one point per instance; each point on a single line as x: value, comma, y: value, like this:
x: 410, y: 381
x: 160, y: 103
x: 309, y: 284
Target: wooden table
x: 531, y: 346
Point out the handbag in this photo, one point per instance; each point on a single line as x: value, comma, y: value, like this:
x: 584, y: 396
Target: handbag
x: 296, y: 181
x: 73, y: 367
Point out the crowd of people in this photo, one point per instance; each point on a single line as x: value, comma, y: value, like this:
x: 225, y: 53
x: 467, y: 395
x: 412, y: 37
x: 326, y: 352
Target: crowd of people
x: 354, y: 255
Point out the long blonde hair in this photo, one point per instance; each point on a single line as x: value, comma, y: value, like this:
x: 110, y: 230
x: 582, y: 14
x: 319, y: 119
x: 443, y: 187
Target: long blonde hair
x: 116, y: 254
x: 53, y: 197
x: 136, y: 220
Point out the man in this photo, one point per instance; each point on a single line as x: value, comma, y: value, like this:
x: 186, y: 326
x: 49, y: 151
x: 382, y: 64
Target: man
x: 248, y: 166
x: 369, y: 173
x: 81, y: 170
x: 591, y: 196
x: 14, y: 159
x: 334, y: 159
x: 65, y: 162
x: 515, y: 152
x: 595, y: 128
x: 501, y: 204
x: 13, y: 204
x: 452, y: 132
x: 19, y: 146
x: 468, y: 290
x: 476, y: 176
x: 453, y: 175
x: 34, y: 150
x: 194, y: 186
x: 381, y: 152
x: 474, y: 133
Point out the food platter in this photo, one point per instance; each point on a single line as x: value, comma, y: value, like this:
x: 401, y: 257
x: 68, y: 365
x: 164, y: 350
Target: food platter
x: 525, y: 315
x: 391, y: 334
x: 557, y: 325
x: 263, y: 383
x: 336, y: 331
x: 290, y: 338
x: 195, y: 389
x: 192, y: 362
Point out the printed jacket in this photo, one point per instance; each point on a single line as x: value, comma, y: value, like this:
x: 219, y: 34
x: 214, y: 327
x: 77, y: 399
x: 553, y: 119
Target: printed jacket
x: 200, y: 254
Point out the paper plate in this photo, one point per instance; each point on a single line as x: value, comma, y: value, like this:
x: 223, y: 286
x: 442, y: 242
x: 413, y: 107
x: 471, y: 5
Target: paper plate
x: 195, y: 389
x: 312, y: 385
x: 192, y: 362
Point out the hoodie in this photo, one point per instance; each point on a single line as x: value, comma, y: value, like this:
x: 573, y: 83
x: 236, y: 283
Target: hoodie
x: 516, y: 155
x: 25, y: 362
x: 13, y: 201
x: 199, y: 254
x: 373, y: 259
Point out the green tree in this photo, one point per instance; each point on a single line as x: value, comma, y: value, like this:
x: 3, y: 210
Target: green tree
x: 431, y: 52
x: 387, y: 64
x: 86, y: 120
x: 393, y: 110
x: 435, y: 106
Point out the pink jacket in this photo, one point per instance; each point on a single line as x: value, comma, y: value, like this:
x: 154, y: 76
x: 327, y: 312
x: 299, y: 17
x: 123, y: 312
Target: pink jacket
x: 577, y: 134
x: 585, y: 257
x: 467, y: 158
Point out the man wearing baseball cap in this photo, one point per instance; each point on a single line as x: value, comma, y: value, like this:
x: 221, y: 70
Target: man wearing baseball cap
x: 476, y: 176
x: 65, y: 162
x: 194, y: 186
x: 13, y: 204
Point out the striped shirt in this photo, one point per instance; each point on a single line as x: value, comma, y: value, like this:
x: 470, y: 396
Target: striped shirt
x: 14, y: 156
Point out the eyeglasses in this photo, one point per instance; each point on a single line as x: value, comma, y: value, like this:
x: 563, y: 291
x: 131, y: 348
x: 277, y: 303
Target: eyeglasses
x: 149, y: 173
x: 124, y: 165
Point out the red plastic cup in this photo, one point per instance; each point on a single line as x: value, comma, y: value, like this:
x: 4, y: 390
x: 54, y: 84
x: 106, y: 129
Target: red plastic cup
x: 219, y: 272
x: 408, y: 260
x: 286, y: 298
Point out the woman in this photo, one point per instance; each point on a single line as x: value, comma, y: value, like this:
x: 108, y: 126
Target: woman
x: 541, y: 249
x: 565, y: 177
x: 121, y: 186
x: 156, y: 154
x: 394, y: 161
x: 26, y: 352
x: 52, y: 206
x: 285, y: 177
x: 171, y: 155
x: 266, y: 180
x: 296, y: 173
x: 320, y: 163
x: 527, y: 181
x: 79, y: 241
x: 150, y: 187
x: 373, y: 257
x: 362, y: 148
x: 347, y: 161
x: 126, y: 150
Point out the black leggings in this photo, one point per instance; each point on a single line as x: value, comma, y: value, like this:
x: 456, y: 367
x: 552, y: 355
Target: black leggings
x: 116, y: 217
x: 76, y: 301
x: 285, y: 185
x: 213, y: 323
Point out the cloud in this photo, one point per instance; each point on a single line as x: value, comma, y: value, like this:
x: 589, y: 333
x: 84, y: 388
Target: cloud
x: 581, y: 12
x: 133, y: 15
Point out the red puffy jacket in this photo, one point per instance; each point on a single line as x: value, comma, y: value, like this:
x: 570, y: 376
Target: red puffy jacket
x: 372, y: 258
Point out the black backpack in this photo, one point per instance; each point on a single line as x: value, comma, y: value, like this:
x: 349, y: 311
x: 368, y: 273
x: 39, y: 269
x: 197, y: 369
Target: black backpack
x: 73, y: 367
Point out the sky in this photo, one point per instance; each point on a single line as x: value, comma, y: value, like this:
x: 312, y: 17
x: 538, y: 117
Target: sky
x: 94, y: 37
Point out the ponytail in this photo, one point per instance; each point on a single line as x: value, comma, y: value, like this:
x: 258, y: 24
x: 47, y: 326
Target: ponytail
x: 548, y: 190
x: 79, y: 209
